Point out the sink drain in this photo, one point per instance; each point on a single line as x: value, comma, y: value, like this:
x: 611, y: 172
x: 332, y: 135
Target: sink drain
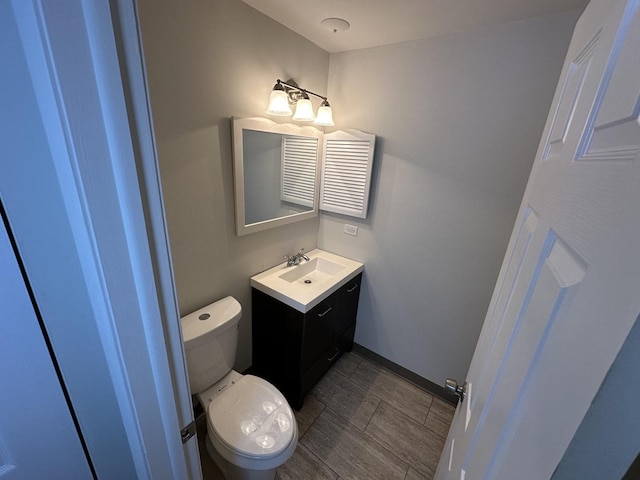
x: 307, y: 281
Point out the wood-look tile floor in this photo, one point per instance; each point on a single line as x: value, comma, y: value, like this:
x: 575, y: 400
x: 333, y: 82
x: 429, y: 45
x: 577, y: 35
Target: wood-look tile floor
x: 362, y: 422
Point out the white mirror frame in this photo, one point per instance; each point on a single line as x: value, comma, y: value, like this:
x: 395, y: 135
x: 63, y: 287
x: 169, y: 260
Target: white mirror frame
x: 266, y: 125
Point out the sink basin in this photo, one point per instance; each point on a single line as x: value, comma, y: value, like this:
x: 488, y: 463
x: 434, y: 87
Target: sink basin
x: 317, y: 269
x: 305, y: 285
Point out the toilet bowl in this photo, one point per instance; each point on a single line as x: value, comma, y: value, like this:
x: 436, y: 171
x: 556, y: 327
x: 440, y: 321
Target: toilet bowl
x: 251, y: 430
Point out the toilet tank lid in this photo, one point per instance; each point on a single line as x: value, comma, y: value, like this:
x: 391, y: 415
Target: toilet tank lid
x: 253, y: 418
x: 220, y: 314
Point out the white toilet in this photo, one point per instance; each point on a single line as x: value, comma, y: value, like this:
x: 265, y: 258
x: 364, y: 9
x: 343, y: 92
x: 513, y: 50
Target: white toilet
x: 251, y: 429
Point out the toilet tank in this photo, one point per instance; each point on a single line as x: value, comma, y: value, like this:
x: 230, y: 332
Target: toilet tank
x: 210, y: 338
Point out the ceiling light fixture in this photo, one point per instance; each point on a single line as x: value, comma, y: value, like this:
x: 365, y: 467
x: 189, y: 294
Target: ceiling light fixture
x: 335, y: 25
x: 289, y: 93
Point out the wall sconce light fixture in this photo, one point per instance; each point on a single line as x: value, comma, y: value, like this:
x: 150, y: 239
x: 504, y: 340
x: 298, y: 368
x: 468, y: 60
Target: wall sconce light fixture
x: 289, y: 93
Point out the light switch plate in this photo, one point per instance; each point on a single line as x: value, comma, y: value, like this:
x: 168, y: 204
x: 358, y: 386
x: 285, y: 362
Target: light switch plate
x: 350, y: 229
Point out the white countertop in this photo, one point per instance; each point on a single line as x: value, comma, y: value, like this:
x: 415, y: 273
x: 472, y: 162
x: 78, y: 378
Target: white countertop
x: 303, y: 297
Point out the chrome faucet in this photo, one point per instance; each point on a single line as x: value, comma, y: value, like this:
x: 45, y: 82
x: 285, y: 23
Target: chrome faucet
x: 296, y: 259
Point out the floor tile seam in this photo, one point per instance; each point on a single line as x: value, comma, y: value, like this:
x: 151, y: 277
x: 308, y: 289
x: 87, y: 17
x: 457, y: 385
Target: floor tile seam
x: 367, y: 393
x: 411, y: 419
x: 413, y: 464
x: 372, y: 415
x: 366, y: 388
x: 408, y: 464
x: 358, y: 387
x: 314, y: 420
x: 354, y: 369
x: 438, y: 417
x: 394, y: 454
x: 347, y: 420
x: 320, y: 460
x: 367, y: 435
x: 377, y: 441
x: 329, y: 409
x: 432, y: 430
x: 308, y: 447
x: 446, y: 405
x: 427, y: 416
x: 371, y: 392
x: 400, y: 377
x: 407, y: 474
x: 341, y: 374
x: 444, y: 437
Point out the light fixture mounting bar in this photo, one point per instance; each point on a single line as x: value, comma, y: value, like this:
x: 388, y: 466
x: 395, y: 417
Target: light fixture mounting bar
x: 296, y: 87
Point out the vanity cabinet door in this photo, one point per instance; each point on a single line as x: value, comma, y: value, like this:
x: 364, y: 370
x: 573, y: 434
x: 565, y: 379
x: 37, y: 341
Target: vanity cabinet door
x: 293, y: 350
x: 277, y: 342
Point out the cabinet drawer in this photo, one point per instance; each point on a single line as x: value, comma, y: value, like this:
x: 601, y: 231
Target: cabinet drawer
x: 345, y: 340
x: 318, y: 332
x: 348, y: 298
x: 319, y: 368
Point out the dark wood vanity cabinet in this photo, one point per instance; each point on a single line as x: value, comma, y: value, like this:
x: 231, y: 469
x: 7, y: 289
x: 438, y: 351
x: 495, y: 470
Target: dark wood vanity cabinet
x: 292, y: 349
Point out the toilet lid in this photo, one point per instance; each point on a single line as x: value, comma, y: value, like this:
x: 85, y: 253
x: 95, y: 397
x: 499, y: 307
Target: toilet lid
x: 252, y: 418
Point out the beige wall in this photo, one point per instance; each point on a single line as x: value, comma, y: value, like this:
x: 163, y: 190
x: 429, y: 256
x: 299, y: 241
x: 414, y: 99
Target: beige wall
x: 458, y: 120
x: 209, y: 60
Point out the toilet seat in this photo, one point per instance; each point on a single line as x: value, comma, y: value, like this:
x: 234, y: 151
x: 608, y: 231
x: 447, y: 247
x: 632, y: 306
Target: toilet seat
x: 252, y: 424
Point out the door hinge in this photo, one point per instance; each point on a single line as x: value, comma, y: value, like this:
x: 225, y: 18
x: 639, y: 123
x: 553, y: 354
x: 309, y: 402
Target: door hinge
x: 187, y: 432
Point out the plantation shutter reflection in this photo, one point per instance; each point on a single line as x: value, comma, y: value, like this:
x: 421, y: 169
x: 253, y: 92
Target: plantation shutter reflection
x: 346, y: 173
x: 299, y: 159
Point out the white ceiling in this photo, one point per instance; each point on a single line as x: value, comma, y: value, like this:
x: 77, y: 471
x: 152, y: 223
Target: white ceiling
x: 381, y: 22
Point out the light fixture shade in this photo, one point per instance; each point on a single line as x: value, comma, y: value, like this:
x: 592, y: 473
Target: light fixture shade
x: 325, y: 116
x: 304, y: 111
x: 279, y: 103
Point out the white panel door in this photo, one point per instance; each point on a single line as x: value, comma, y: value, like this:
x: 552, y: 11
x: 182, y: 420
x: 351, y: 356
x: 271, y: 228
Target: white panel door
x: 567, y: 294
x: 37, y: 436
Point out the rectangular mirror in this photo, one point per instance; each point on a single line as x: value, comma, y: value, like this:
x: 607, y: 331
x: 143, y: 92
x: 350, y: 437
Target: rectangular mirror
x: 275, y: 169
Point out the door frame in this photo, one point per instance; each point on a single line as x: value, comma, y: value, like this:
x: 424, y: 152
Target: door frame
x: 86, y: 65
